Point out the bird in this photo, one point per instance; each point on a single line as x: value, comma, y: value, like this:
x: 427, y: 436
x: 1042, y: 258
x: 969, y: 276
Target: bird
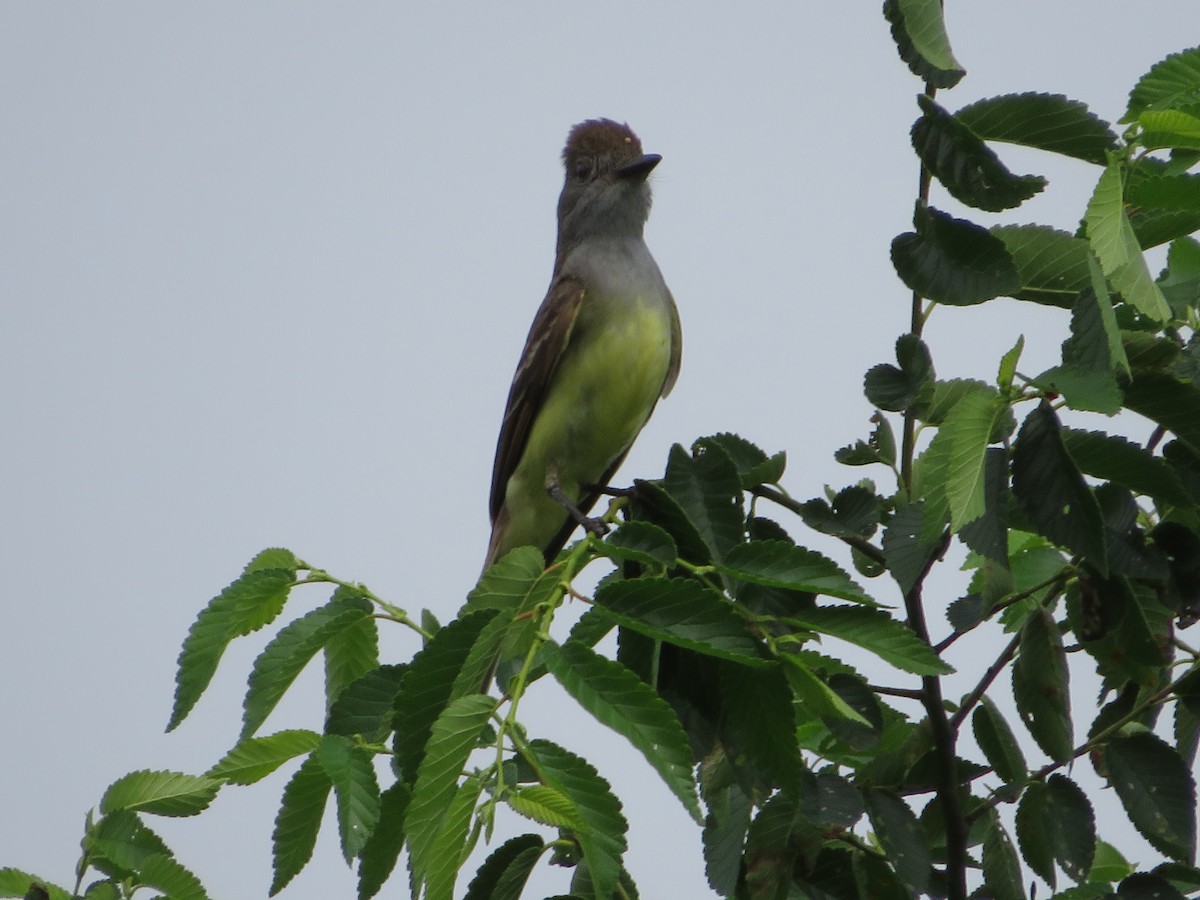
x: 604, y: 347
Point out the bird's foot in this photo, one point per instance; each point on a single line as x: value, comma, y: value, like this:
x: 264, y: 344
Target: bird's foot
x: 597, y: 527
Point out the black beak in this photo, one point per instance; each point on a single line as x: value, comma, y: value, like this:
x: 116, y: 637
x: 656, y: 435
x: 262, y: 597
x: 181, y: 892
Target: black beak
x: 638, y: 167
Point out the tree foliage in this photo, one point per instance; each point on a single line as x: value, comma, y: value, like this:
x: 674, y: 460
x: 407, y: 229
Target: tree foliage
x: 804, y: 778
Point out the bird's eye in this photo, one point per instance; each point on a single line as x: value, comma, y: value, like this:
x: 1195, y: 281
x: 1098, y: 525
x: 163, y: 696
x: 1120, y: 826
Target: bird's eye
x: 583, y: 169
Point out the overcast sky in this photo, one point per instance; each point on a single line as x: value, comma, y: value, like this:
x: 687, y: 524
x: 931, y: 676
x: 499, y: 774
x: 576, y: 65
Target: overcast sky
x: 266, y: 269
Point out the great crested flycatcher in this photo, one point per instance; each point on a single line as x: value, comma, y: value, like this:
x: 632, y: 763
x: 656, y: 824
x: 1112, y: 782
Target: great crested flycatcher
x: 603, y: 347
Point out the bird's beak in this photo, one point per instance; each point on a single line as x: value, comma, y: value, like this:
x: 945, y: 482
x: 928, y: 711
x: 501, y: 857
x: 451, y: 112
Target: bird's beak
x: 638, y: 167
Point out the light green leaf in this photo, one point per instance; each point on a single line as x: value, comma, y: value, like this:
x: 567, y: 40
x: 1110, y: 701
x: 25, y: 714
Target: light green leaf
x: 161, y: 793
x: 452, y: 846
x: 1174, y: 81
x: 545, y: 805
x: 15, y: 883
x: 253, y: 759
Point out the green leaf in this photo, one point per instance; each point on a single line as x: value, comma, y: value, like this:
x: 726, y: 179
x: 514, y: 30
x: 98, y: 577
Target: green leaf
x: 1052, y: 265
x: 1072, y: 827
x: 515, y: 582
x: 903, y: 549
x: 855, y: 513
x: 15, y: 883
x: 965, y: 165
x: 707, y: 487
x: 353, y: 776
x: 920, y: 34
x: 161, y: 793
x: 1008, y: 366
x: 1154, y: 225
x: 999, y: 744
x: 1169, y: 129
x: 630, y: 707
x: 1117, y: 459
x: 602, y: 838
x: 1001, y: 865
x: 365, y: 707
x: 896, y: 389
x: 1109, y: 865
x: 988, y: 535
x: 453, y: 845
x: 1172, y: 403
x: 902, y: 837
x: 165, y: 874
x: 291, y: 650
x: 724, y: 837
x: 253, y: 759
x: 1173, y: 81
x: 759, y: 723
x: 1052, y: 492
x: 953, y: 261
x: 683, y: 612
x: 350, y: 654
x: 874, y: 630
x: 969, y: 427
x: 248, y: 604
x: 754, y: 466
x: 453, y: 736
x: 504, y: 873
x: 543, y: 804
x: 382, y: 849
x: 298, y: 822
x: 1157, y: 790
x: 430, y: 681
x: 1115, y: 244
x: 1166, y: 191
x: 640, y: 542
x: 1092, y: 390
x: 815, y: 695
x: 783, y: 565
x: 1041, y: 686
x: 1048, y: 122
x: 652, y: 503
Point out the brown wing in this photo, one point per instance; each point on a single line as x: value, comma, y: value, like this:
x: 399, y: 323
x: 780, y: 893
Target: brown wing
x: 548, y: 336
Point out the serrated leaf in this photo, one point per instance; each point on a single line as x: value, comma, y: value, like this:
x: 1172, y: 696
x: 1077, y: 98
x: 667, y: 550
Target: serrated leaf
x: 906, y: 555
x: 619, y: 699
x: 953, y: 261
x: 902, y: 837
x: 119, y: 844
x: 988, y: 534
x: 969, y: 427
x: 165, y: 874
x: 965, y: 165
x: 1109, y: 864
x: 453, y: 845
x: 1169, y: 129
x: 724, y: 838
x: 365, y: 707
x: 246, y: 605
x: 253, y: 759
x: 874, y: 630
x: 1155, y: 225
x: 783, y: 565
x: 602, y: 838
x: 1073, y: 827
x: 291, y: 650
x: 350, y: 770
x: 504, y: 873
x: 161, y: 793
x: 15, y: 883
x: 298, y: 821
x: 545, y: 805
x: 1091, y: 390
x: 1114, y: 458
x: 350, y: 654
x: 451, y: 740
x: 707, y: 487
x: 1048, y: 122
x: 382, y: 849
x: 683, y: 612
x: 920, y: 34
x: 753, y: 465
x: 1001, y: 865
x: 1166, y: 191
x: 640, y: 542
x: 651, y: 502
x: 815, y: 695
x: 1172, y: 403
x: 430, y: 682
x: 1052, y: 265
x: 1170, y: 82
x: 998, y: 743
x: 759, y: 721
x: 514, y: 582
x: 1041, y: 686
x: 1115, y: 244
x: 1052, y: 492
x: 895, y: 389
x: 1157, y: 790
x: 855, y: 513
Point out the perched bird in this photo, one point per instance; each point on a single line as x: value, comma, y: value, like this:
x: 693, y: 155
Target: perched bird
x: 603, y: 347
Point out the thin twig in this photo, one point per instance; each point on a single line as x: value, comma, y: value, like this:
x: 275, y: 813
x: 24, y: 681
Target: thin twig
x: 861, y: 544
x: 985, y: 682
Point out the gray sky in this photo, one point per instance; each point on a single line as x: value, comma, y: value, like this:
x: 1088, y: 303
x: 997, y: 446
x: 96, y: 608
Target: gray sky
x: 266, y: 272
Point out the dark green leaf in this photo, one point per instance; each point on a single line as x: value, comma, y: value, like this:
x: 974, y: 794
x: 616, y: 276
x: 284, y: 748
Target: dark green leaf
x: 350, y: 770
x: 1154, y: 225
x: 920, y: 34
x: 626, y: 704
x: 1044, y: 121
x: 953, y: 261
x: 1041, y: 686
x: 1166, y: 191
x: 753, y: 465
x: 988, y: 534
x: 855, y: 513
x: 1052, y: 492
x: 905, y: 553
x: 161, y: 793
x: 1157, y: 790
x: 1144, y: 886
x: 1055, y: 823
x: 783, y: 565
x: 379, y: 854
x: 965, y: 165
x: 874, y: 630
x: 248, y: 604
x: 707, y: 487
x: 895, y: 389
x: 1117, y: 459
x: 365, y: 707
x: 298, y: 822
x: 683, y: 612
x: 725, y: 838
x: 1001, y: 865
x: 291, y: 650
x: 118, y: 844
x: 641, y: 542
x: 998, y: 743
x: 505, y: 871
x: 1170, y: 82
x: 1052, y: 265
x: 350, y: 654
x: 902, y: 837
x: 1172, y: 403
x: 759, y: 724
x: 255, y: 758
x: 163, y: 873
x: 652, y: 503
x: 1092, y: 390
